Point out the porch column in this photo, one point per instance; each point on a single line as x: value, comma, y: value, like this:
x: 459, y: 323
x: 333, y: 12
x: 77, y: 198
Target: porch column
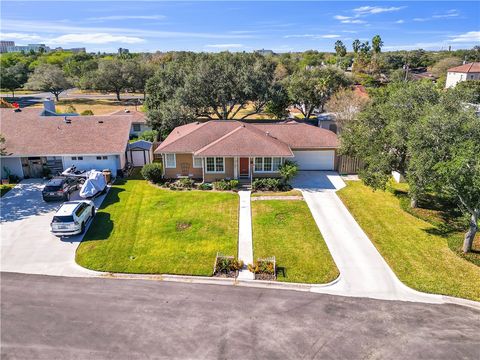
x: 235, y: 167
x: 203, y: 170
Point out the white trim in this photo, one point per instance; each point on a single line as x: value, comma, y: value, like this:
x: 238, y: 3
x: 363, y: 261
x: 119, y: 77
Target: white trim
x: 215, y: 165
x: 263, y: 165
x: 193, y: 162
x: 174, y: 160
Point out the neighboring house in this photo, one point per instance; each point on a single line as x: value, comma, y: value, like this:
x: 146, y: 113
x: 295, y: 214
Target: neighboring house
x: 463, y: 72
x: 139, y: 122
x: 229, y: 149
x: 33, y: 142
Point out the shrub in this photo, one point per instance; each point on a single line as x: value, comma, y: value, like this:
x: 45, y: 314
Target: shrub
x: 262, y: 266
x: 268, y: 184
x: 149, y: 135
x: 225, y: 184
x: 183, y: 183
x: 152, y: 172
x: 226, y: 264
x: 205, y: 186
x: 70, y: 109
x: 288, y: 170
x: 87, y: 112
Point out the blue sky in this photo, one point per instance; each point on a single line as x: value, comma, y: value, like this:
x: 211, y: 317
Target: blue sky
x: 240, y: 26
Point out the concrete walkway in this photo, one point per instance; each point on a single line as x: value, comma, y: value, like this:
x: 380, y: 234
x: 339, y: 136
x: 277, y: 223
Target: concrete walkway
x: 245, y: 242
x: 363, y: 271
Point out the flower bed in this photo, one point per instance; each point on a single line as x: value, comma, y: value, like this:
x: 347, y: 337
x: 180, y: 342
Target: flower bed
x: 264, y: 269
x: 226, y: 266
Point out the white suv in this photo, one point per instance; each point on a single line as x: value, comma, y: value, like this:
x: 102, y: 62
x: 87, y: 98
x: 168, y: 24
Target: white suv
x: 72, y: 217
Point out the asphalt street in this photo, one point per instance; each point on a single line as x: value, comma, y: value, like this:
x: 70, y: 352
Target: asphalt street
x: 46, y: 317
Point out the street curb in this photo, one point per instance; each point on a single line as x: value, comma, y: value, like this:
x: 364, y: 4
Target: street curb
x: 463, y: 302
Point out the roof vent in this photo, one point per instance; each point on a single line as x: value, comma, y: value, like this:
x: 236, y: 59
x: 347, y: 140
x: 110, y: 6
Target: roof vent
x: 100, y: 121
x: 268, y: 133
x: 127, y: 111
x: 17, y: 110
x: 66, y: 120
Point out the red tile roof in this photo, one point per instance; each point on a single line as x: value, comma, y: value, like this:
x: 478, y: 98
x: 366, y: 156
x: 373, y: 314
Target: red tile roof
x: 234, y: 138
x: 29, y: 134
x: 473, y: 67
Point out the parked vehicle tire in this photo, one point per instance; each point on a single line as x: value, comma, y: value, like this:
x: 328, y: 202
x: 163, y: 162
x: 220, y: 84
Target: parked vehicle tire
x: 83, y: 228
x: 67, y: 197
x: 93, y: 212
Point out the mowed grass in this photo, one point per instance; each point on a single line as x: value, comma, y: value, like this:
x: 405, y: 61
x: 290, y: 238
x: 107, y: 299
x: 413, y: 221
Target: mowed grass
x: 415, y: 250
x: 144, y: 229
x: 277, y: 193
x: 97, y: 106
x: 286, y: 229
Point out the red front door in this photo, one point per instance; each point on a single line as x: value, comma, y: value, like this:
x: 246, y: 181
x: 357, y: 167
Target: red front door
x: 244, y: 166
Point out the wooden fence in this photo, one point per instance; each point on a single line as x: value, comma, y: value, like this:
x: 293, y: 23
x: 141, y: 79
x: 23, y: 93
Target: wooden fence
x: 348, y: 165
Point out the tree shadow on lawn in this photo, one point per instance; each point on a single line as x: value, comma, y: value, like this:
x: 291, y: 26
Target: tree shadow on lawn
x: 113, y: 195
x: 100, y: 229
x: 446, y: 220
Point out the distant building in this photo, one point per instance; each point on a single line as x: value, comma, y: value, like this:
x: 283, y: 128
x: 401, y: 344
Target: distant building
x: 5, y: 44
x: 123, y: 51
x: 463, y: 72
x: 28, y: 48
x: 265, y: 52
x: 74, y: 50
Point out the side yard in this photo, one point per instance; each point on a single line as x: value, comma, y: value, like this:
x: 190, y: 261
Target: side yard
x: 417, y: 250
x: 141, y: 228
x: 286, y: 229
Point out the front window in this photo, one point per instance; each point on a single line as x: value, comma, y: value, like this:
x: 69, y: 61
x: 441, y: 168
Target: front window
x: 170, y: 161
x: 215, y: 165
x: 258, y: 164
x: 267, y: 164
x: 197, y: 162
x: 136, y: 127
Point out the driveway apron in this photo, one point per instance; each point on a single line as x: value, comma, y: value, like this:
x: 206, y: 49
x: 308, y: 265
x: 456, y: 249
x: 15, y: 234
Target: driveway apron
x: 363, y: 271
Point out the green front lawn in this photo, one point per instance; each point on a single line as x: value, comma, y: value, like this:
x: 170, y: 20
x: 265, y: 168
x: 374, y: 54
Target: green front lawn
x: 144, y: 229
x: 277, y: 193
x: 416, y: 250
x: 286, y: 229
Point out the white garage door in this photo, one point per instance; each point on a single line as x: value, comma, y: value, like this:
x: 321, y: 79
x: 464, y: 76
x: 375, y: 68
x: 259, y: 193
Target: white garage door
x: 315, y: 160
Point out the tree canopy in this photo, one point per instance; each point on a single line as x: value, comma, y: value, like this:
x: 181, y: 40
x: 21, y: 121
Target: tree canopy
x: 51, y: 78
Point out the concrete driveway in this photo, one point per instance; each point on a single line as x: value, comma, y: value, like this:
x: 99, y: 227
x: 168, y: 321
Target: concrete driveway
x: 363, y: 271
x: 27, y: 246
x: 318, y: 181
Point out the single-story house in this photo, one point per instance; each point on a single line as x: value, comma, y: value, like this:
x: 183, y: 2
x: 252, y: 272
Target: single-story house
x: 231, y: 149
x: 33, y: 142
x: 139, y: 121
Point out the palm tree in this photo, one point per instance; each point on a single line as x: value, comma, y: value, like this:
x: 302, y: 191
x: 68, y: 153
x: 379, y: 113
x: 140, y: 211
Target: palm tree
x: 377, y: 44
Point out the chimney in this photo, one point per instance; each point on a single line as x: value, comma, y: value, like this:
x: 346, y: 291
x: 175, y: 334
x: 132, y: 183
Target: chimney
x: 49, y: 105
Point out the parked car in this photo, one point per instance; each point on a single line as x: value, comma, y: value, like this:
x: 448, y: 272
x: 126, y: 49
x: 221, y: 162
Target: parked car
x: 60, y: 188
x: 72, y: 217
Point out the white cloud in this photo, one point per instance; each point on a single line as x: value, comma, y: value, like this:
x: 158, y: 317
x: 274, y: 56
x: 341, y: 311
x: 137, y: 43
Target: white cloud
x: 61, y: 28
x: 369, y: 10
x: 447, y: 15
x: 354, y: 21
x: 95, y: 38
x: 128, y: 17
x: 225, y: 46
x: 21, y: 36
x: 471, y: 36
x: 350, y: 31
x: 313, y: 36
x: 341, y: 17
x: 399, y: 21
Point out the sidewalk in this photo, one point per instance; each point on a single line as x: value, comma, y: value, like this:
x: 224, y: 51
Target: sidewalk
x: 245, y: 242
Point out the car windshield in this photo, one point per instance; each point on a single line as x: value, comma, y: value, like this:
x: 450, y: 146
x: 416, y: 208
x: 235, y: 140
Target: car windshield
x: 52, y: 188
x: 63, y: 219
